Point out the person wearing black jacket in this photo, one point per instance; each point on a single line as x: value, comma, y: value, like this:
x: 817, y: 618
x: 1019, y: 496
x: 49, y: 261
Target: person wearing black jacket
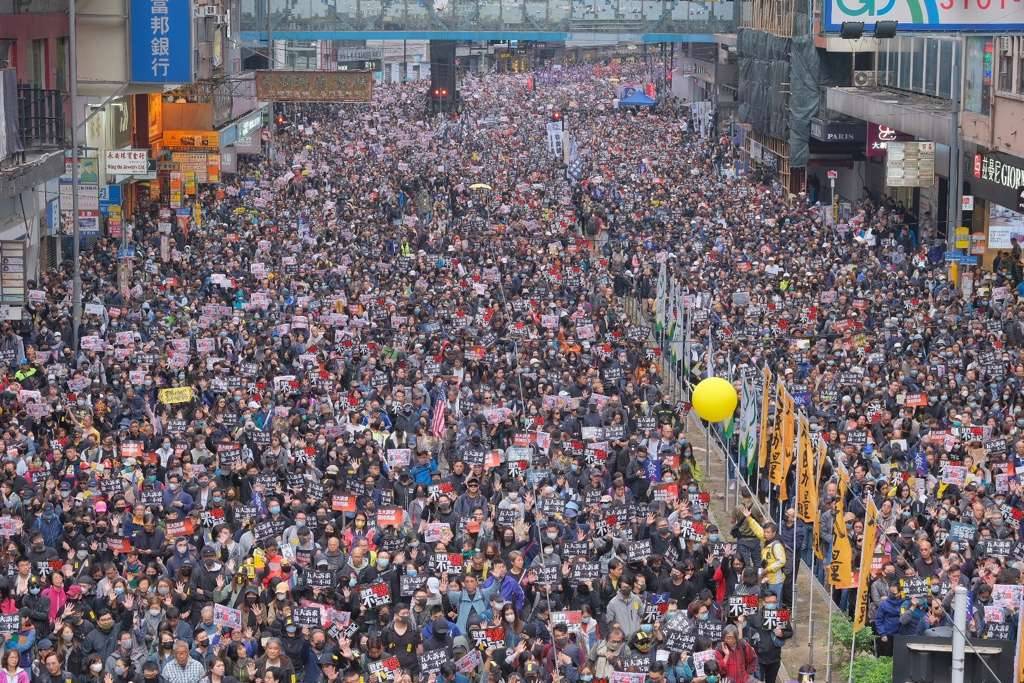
x: 768, y: 634
x: 53, y: 673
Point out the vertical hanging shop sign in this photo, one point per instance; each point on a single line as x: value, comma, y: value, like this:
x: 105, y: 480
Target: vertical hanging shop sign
x: 161, y: 41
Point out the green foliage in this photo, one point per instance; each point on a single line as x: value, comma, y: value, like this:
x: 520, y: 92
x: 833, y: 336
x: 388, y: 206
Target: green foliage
x: 869, y: 669
x: 842, y: 635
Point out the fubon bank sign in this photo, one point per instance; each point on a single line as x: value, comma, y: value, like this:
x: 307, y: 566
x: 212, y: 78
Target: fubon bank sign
x: 928, y: 15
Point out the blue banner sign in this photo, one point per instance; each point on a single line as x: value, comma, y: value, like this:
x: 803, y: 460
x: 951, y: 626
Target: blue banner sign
x: 161, y: 40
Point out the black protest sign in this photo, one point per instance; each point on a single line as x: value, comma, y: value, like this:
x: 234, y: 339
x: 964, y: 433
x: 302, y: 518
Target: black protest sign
x: 474, y: 456
x: 447, y: 563
x: 228, y: 454
x: 997, y: 631
x: 408, y: 585
x: 374, y: 595
x: 722, y: 550
x: 712, y: 630
x: 638, y: 551
x: 776, y: 617
x: 742, y: 605
x: 996, y: 547
x: 320, y: 578
x: 484, y: 638
x: 915, y: 587
x: 552, y: 506
x: 306, y: 616
x: 678, y: 640
x: 264, y: 531
x: 507, y: 516
x: 576, y: 549
x: 431, y: 661
x: 384, y: 669
x: 585, y: 571
x: 10, y: 623
x: 547, y: 574
x: 151, y: 498
x: 634, y: 664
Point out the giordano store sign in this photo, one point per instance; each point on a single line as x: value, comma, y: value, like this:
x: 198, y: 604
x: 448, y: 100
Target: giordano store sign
x: 999, y: 178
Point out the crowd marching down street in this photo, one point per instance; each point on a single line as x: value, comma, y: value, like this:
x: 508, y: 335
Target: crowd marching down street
x: 396, y: 408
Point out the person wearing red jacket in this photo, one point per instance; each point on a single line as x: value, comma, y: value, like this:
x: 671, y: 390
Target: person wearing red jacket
x: 736, y: 658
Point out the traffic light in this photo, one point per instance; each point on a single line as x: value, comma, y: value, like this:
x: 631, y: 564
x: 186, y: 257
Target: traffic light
x: 440, y: 93
x: 556, y: 116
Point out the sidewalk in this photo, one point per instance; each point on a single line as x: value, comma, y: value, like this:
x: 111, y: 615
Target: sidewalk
x: 806, y: 647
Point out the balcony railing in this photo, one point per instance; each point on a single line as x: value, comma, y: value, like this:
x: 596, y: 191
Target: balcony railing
x: 41, y: 122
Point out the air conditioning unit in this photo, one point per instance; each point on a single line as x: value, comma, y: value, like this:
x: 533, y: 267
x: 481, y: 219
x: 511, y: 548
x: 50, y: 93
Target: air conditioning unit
x: 1005, y: 45
x: 206, y: 11
x: 865, y: 79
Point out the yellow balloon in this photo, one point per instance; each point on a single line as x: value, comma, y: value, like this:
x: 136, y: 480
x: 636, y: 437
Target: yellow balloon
x: 714, y: 399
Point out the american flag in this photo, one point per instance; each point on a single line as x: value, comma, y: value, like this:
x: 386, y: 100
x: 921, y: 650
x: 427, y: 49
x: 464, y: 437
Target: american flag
x: 437, y: 421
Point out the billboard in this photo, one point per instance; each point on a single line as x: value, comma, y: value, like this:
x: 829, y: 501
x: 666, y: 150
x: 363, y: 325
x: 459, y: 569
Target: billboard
x: 314, y: 86
x: 910, y: 164
x: 161, y: 41
x: 926, y: 15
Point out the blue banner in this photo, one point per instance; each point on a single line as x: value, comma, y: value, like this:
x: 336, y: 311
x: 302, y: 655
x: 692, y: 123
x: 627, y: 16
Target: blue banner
x: 161, y: 35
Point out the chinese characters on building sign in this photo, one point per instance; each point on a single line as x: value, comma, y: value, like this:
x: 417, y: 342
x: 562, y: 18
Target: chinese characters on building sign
x: 161, y: 39
x: 127, y: 161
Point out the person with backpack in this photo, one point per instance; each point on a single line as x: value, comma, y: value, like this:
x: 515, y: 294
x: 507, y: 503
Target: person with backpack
x: 773, y: 554
x: 737, y: 659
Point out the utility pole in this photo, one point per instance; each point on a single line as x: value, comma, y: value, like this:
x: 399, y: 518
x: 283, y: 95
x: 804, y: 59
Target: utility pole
x: 954, y: 186
x: 959, y: 635
x: 270, y: 40
x: 76, y: 287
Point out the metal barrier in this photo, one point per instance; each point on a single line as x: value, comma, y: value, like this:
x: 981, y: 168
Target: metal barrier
x: 679, y: 386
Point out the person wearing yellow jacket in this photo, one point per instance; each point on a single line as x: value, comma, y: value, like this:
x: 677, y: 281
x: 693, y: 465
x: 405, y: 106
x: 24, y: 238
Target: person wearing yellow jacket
x: 773, y: 554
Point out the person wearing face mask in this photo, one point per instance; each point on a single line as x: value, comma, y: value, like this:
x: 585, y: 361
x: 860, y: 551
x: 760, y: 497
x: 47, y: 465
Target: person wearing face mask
x: 37, y: 607
x: 175, y: 497
x: 182, y: 555
x: 625, y: 609
x: 768, y: 638
x: 125, y: 659
x: 401, y: 640
x: 208, y: 577
x: 93, y: 672
x: 604, y: 659
x: 103, y: 639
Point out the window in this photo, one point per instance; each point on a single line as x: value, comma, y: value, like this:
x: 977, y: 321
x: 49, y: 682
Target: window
x: 905, y: 57
x: 39, y: 63
x: 1010, y: 58
x: 917, y: 68
x: 931, y: 65
x: 977, y: 74
x: 1006, y: 64
x: 62, y: 65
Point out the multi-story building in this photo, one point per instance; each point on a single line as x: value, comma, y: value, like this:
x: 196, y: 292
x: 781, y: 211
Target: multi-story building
x: 824, y: 98
x: 158, y: 102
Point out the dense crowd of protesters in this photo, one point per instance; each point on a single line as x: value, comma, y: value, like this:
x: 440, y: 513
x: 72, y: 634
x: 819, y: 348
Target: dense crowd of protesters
x: 381, y: 414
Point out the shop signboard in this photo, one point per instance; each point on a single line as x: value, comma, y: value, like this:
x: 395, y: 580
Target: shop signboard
x: 910, y: 164
x: 127, y: 161
x: 999, y: 178
x: 926, y: 15
x: 878, y: 138
x: 191, y: 139
x: 1004, y: 225
x: 314, y: 86
x: 837, y: 131
x: 161, y: 41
